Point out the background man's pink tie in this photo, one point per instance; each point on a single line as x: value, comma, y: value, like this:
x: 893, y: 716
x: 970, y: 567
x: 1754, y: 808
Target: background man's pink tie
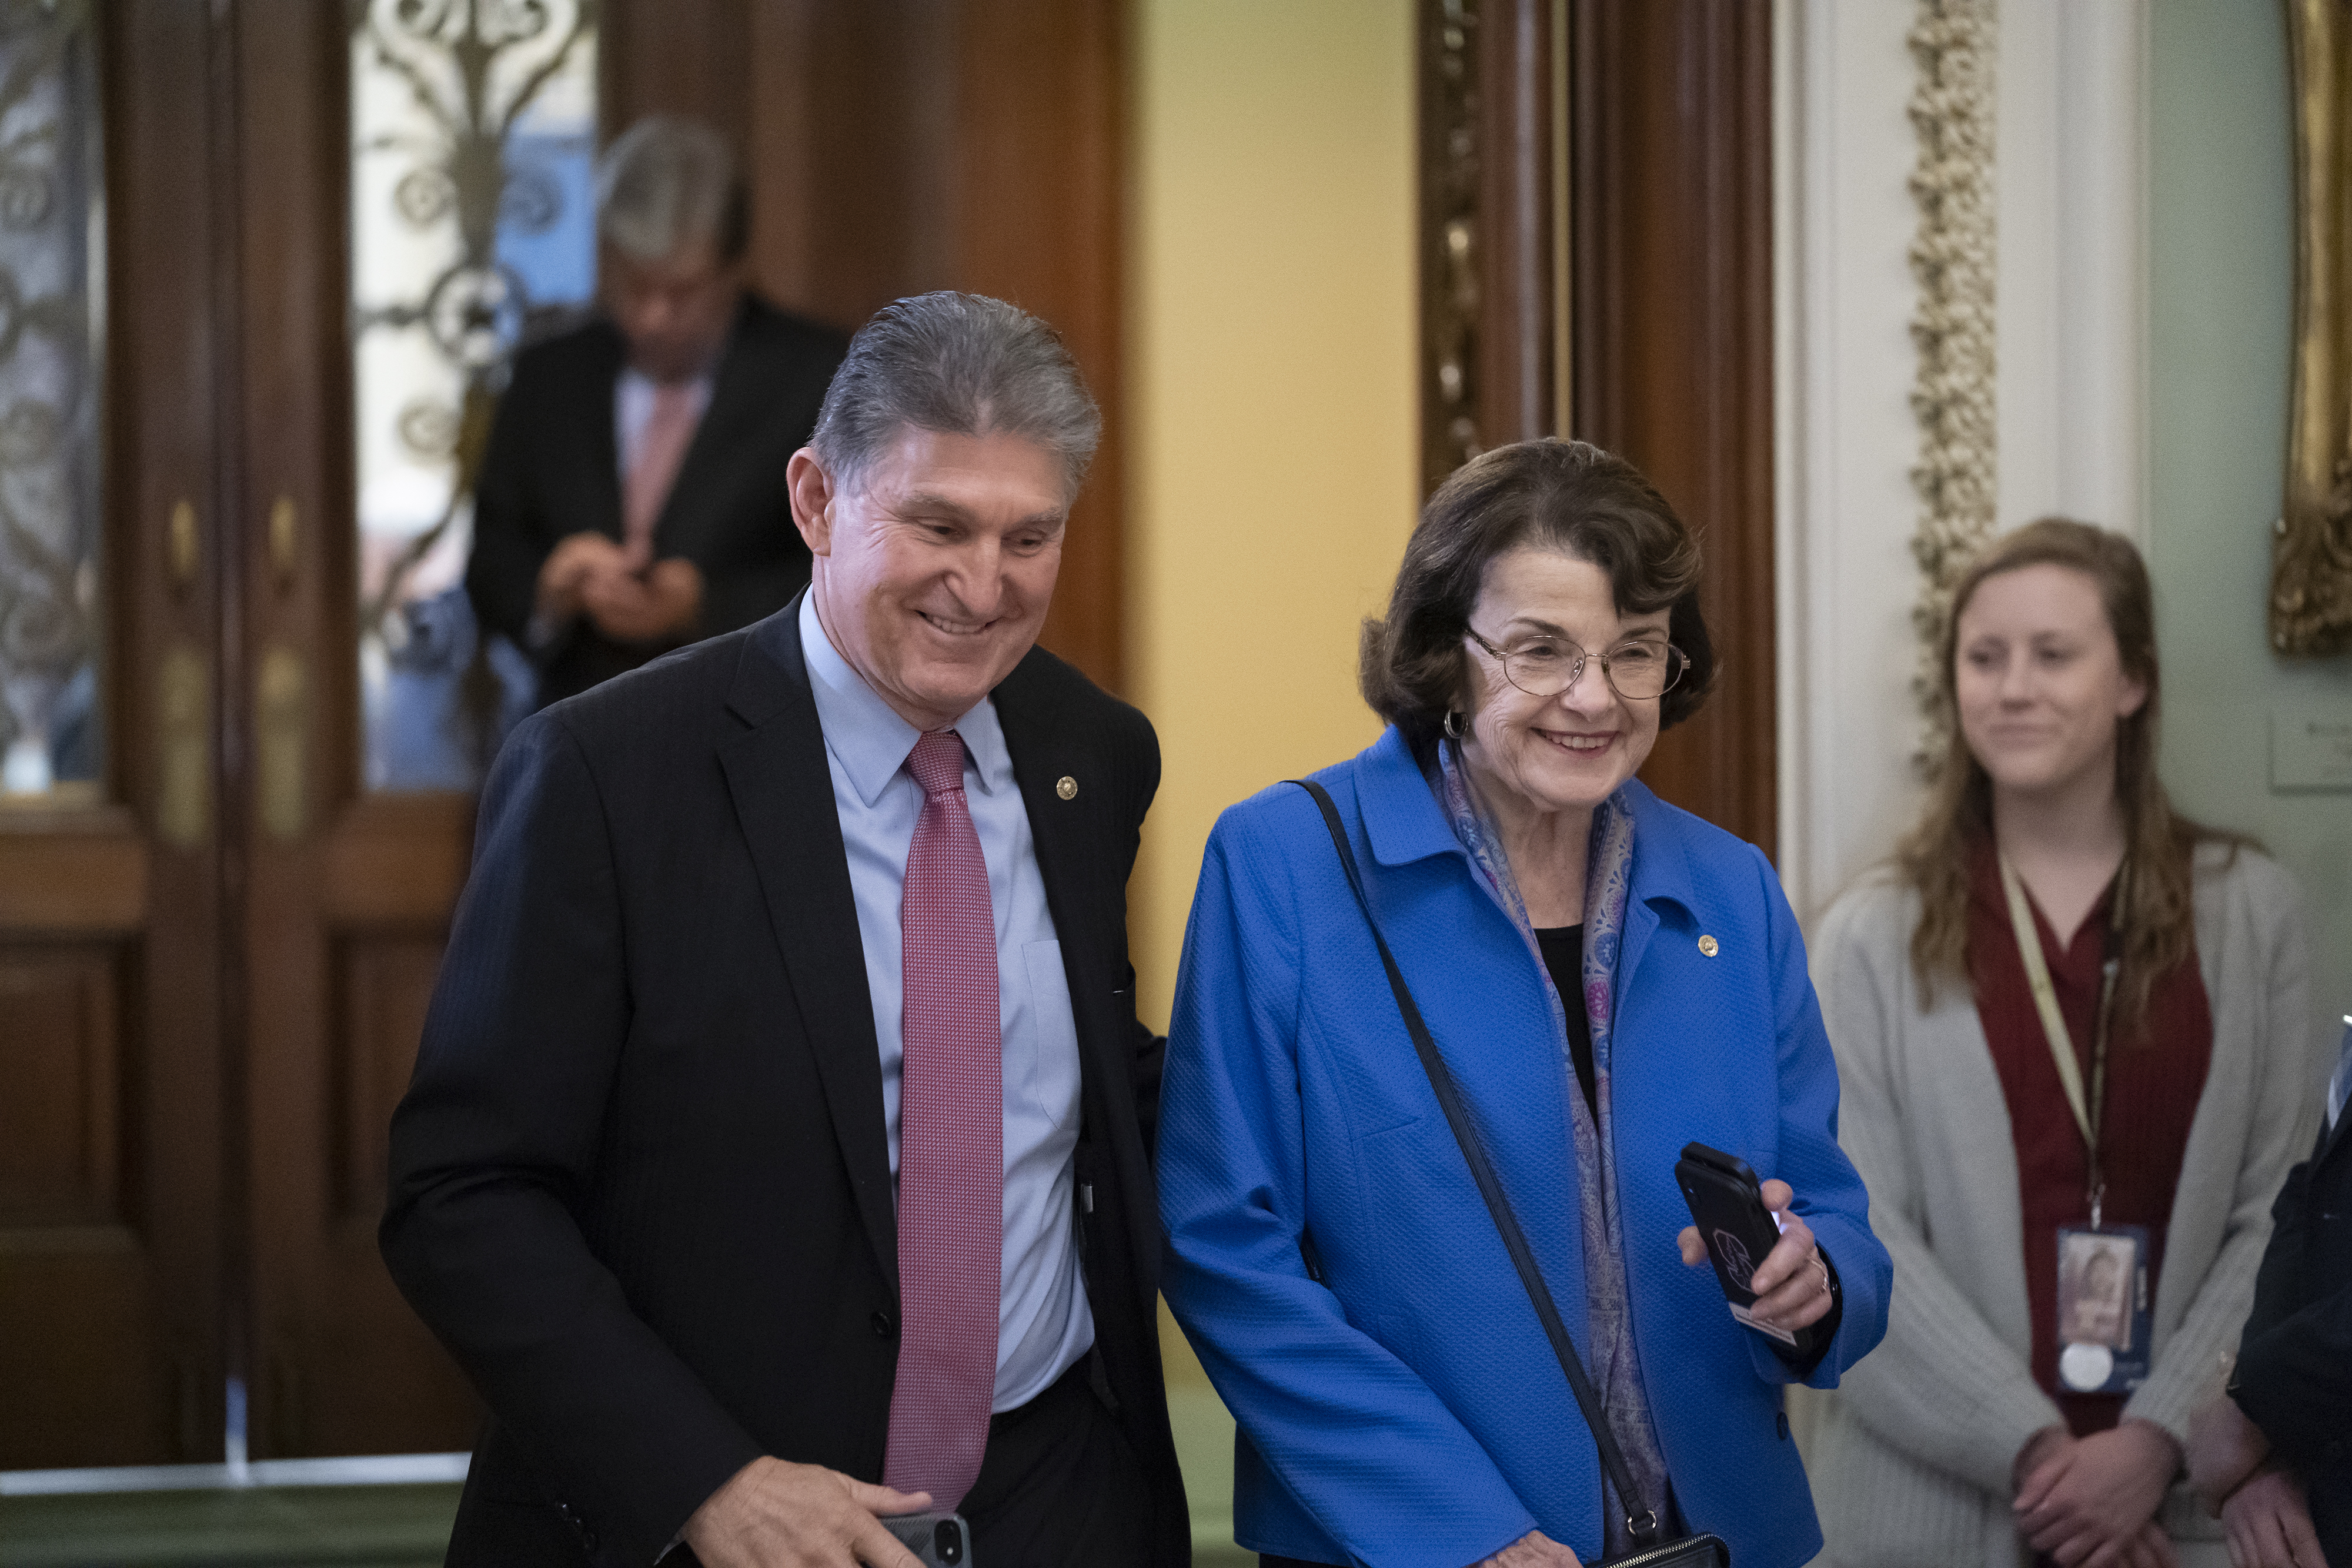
x: 661, y: 447
x: 950, y: 1145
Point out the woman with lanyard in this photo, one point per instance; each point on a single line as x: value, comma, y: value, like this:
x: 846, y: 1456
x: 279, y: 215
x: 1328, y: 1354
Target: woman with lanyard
x: 2075, y: 1041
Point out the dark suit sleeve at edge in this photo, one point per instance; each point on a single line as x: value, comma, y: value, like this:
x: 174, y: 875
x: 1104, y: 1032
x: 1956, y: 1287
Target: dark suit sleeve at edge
x: 2295, y: 1364
x: 494, y: 1149
x: 1151, y: 1050
x: 502, y: 573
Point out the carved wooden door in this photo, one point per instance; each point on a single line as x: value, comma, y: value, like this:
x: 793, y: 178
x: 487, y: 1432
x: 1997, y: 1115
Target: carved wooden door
x: 216, y: 940
x: 114, y: 859
x: 357, y: 247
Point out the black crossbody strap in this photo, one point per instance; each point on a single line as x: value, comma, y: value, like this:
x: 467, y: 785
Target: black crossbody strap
x: 1643, y: 1524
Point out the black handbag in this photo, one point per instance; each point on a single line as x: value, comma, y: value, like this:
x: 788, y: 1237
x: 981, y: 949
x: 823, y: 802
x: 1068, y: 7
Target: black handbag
x: 1644, y: 1524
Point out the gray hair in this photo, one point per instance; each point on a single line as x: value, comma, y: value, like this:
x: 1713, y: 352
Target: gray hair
x: 959, y: 364
x: 667, y: 182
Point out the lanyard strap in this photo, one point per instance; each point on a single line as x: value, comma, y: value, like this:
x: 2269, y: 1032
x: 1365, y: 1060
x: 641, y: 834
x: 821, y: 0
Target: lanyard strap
x: 2089, y: 1111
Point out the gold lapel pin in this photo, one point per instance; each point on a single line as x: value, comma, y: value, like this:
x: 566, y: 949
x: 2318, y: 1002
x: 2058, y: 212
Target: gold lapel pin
x: 1707, y: 945
x: 1066, y: 788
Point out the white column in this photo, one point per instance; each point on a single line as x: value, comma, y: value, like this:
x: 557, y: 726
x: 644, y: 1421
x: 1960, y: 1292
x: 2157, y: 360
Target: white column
x: 2073, y: 275
x: 1846, y: 437
x: 2071, y: 397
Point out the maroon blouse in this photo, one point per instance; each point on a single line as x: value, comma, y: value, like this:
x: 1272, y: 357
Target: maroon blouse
x: 2154, y: 1076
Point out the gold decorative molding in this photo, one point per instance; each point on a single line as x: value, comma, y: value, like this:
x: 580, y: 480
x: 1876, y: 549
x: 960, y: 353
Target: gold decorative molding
x: 285, y: 542
x: 1952, y: 108
x: 180, y: 546
x: 184, y: 728
x: 281, y: 724
x: 2311, y: 549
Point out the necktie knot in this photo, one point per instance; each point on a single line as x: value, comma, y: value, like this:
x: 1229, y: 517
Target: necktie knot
x: 937, y: 763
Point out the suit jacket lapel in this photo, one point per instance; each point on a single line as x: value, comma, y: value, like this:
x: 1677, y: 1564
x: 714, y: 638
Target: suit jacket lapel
x: 732, y: 394
x: 783, y: 790
x: 594, y: 466
x: 1044, y: 754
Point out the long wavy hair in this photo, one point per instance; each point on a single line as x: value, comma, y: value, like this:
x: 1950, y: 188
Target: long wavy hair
x: 2159, y: 918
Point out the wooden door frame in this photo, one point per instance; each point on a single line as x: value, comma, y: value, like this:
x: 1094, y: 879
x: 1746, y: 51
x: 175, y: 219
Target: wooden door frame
x: 111, y: 1322
x: 343, y: 885
x: 1633, y: 138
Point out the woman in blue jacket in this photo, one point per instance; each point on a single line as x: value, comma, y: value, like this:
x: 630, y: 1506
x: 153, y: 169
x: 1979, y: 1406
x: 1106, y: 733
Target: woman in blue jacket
x: 1607, y: 978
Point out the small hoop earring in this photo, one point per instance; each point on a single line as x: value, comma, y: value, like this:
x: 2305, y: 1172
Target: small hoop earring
x: 1453, y: 726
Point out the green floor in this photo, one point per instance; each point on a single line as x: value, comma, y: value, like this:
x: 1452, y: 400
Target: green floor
x: 362, y: 1527
x: 406, y: 1526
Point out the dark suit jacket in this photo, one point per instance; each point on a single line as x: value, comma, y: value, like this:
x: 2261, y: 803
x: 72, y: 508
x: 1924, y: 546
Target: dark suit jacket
x: 553, y: 469
x: 639, y: 1183
x: 2294, y: 1362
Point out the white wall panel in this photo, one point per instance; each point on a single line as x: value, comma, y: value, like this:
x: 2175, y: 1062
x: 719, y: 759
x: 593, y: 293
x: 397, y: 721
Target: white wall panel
x: 2071, y: 391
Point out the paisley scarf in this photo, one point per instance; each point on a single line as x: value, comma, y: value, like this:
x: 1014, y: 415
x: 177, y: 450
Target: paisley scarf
x: 1608, y: 877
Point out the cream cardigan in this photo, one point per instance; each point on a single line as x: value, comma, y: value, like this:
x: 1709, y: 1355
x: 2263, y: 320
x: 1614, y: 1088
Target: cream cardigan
x: 1910, y: 1456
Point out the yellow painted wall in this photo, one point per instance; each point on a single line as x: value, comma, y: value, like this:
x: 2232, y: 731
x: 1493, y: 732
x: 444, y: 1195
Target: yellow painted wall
x: 1271, y: 439
x: 1271, y: 400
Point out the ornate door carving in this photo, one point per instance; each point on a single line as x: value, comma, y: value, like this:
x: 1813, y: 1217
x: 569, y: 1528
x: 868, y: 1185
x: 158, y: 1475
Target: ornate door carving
x: 112, y: 893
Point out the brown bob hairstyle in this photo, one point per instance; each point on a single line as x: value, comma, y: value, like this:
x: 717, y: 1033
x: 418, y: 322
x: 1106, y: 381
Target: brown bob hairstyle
x: 1567, y: 496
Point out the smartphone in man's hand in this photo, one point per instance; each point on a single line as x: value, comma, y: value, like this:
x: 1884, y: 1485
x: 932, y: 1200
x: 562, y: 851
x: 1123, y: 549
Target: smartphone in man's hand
x: 937, y: 1540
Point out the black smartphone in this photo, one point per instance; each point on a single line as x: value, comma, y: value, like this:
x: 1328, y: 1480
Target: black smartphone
x: 1726, y: 1204
x: 937, y: 1540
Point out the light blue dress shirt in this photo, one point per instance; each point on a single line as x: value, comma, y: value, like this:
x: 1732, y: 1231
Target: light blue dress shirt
x: 1044, y: 1324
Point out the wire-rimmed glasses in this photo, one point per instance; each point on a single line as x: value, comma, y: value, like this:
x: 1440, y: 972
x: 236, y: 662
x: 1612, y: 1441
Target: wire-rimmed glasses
x: 1638, y: 670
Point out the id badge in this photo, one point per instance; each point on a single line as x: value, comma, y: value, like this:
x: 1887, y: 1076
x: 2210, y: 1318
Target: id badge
x: 2103, y: 1308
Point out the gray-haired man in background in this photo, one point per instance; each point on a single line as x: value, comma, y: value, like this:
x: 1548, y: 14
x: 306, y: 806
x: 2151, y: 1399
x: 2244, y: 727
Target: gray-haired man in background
x: 634, y: 496
x: 778, y: 1156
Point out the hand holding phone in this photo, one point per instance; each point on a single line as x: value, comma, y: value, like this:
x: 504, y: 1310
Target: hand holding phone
x: 1764, y: 1255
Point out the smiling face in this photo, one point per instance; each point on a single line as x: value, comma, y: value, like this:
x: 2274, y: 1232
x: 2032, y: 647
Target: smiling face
x: 2040, y: 682
x: 1568, y: 752
x: 934, y: 567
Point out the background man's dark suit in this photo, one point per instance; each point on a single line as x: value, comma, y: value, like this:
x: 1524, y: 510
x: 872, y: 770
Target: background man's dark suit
x: 639, y: 1183
x: 2294, y: 1362
x: 553, y: 469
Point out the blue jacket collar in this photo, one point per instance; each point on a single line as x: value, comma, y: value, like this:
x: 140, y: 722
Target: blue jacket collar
x: 1662, y: 867
x: 1405, y: 822
x: 1402, y: 819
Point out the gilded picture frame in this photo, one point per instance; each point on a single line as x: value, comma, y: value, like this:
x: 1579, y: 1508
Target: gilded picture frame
x: 2311, y: 552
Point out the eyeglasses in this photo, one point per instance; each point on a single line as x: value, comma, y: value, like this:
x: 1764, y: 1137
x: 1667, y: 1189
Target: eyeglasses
x: 1637, y: 671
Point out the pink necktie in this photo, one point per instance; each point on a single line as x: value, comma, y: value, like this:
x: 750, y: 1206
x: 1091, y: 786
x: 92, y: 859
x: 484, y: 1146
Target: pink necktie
x: 661, y: 447
x: 950, y: 1145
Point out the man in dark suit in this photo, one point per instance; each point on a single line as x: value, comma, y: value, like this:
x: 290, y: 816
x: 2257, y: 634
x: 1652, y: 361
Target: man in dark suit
x: 778, y: 1152
x: 2274, y: 1458
x: 633, y: 497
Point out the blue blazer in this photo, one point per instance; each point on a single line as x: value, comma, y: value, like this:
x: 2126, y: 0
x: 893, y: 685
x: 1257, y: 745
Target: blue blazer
x: 1407, y: 1409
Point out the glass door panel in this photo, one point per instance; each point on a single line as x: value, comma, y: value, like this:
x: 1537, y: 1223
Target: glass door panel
x: 52, y: 334
x: 473, y: 128
x: 111, y: 1149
